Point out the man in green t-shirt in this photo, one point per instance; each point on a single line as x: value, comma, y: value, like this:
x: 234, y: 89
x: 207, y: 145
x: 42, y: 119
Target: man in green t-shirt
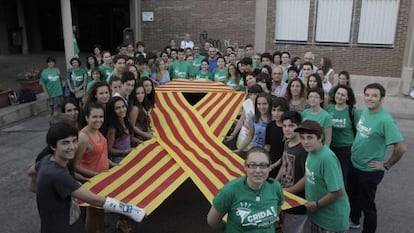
x: 328, y: 205
x: 52, y: 85
x: 376, y: 129
x: 181, y: 69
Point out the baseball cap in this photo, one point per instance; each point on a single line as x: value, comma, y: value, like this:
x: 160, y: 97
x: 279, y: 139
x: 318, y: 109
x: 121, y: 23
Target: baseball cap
x: 309, y: 126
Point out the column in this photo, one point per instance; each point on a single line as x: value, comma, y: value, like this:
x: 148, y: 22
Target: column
x: 407, y: 74
x: 260, y: 26
x: 67, y: 30
x: 135, y: 18
x: 22, y: 24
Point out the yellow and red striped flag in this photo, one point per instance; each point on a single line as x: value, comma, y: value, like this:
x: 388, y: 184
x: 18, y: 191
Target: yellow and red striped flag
x: 187, y: 143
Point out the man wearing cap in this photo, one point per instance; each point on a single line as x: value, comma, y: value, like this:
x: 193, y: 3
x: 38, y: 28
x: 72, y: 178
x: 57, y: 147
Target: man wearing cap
x: 376, y: 129
x: 328, y: 206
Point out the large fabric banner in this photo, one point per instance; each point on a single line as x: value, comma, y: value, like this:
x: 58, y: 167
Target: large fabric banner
x: 187, y: 143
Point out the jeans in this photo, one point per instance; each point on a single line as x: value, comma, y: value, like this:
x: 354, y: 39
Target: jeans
x: 362, y: 188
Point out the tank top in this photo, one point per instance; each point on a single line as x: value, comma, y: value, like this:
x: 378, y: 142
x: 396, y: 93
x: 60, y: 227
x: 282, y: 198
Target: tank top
x: 96, y: 156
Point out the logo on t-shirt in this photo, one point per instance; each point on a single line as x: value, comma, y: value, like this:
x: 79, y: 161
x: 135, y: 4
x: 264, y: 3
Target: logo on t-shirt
x: 363, y: 130
x: 259, y: 219
x: 52, y: 77
x: 339, y: 123
x: 310, y: 176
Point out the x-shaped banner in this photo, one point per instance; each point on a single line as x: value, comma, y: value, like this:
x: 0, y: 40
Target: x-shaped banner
x: 187, y: 143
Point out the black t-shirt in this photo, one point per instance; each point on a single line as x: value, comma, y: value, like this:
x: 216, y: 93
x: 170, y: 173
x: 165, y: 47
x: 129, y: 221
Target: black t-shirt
x: 47, y: 152
x: 293, y: 161
x: 274, y: 137
x: 59, y: 213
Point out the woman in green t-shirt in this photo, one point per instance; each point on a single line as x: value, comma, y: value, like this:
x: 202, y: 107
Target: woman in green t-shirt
x: 203, y: 74
x: 220, y: 73
x: 344, y: 117
x: 233, y: 78
x: 252, y: 202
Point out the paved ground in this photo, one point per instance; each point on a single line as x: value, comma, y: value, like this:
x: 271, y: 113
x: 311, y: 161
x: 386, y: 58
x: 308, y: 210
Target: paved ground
x: 186, y: 209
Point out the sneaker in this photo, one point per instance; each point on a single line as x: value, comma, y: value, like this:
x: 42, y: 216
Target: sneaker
x: 353, y: 225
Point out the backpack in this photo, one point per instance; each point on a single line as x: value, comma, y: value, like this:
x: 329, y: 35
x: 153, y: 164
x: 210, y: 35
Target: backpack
x: 27, y: 95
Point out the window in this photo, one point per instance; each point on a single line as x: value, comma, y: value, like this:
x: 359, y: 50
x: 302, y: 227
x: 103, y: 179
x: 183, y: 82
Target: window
x: 333, y: 23
x: 352, y: 22
x: 378, y: 21
x: 292, y: 20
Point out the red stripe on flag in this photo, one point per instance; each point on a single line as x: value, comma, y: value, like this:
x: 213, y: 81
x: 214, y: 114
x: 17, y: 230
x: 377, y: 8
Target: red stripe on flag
x: 228, y: 115
x: 220, y: 103
x: 207, y: 137
x: 203, y: 102
x: 110, y: 179
x: 188, y: 162
x: 125, y: 184
x: 195, y: 139
x: 167, y: 182
x: 150, y: 181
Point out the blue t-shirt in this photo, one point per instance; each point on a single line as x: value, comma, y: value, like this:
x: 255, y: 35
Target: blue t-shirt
x: 259, y: 138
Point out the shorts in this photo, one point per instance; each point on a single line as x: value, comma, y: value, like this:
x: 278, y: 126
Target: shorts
x: 56, y: 101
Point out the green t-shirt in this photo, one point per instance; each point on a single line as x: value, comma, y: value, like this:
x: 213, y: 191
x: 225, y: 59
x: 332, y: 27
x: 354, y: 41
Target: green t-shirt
x: 198, y: 60
x: 249, y: 210
x: 76, y: 77
x: 181, y: 70
x: 144, y: 73
x: 219, y: 75
x: 232, y: 83
x: 342, y: 133
x: 322, y: 117
x: 89, y: 85
x: 106, y: 72
x: 375, y: 131
x: 51, y: 81
x: 201, y: 76
x: 257, y: 67
x: 323, y: 175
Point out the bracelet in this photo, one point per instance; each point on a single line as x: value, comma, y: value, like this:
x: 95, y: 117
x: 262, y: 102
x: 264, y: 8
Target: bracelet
x: 317, y: 204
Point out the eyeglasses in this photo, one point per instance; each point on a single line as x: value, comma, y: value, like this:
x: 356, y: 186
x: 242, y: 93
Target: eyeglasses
x: 314, y: 97
x: 255, y: 166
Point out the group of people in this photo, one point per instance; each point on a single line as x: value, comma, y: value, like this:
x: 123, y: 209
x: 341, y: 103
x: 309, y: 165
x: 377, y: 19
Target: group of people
x: 298, y: 131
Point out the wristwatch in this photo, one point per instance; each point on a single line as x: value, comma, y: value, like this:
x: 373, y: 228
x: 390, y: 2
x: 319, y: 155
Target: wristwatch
x: 386, y: 167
